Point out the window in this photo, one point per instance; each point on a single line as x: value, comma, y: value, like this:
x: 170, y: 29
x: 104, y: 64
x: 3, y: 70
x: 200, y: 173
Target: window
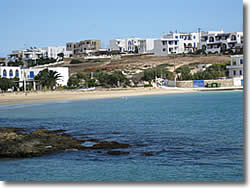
x: 176, y: 37
x: 164, y: 49
x: 17, y: 73
x: 241, y: 61
x: 234, y: 62
x: 175, y: 42
x: 194, y: 45
x: 193, y: 37
x: 233, y: 37
x: 211, y: 39
x: 234, y: 72
x: 4, y: 73
x: 240, y: 72
x: 164, y: 42
x: 11, y: 73
x: 32, y: 74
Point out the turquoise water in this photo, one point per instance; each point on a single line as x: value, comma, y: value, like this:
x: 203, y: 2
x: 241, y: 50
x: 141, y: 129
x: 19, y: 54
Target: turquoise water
x: 196, y: 137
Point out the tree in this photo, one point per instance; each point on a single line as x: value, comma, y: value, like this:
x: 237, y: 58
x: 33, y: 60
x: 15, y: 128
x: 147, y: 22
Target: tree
x: 61, y: 55
x: 48, y: 78
x: 6, y: 83
x: 73, y: 81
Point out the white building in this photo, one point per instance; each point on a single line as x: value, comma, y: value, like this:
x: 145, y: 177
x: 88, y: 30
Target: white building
x: 182, y: 42
x: 170, y: 43
x: 53, y: 51
x: 27, y: 54
x: 124, y: 45
x: 29, y: 74
x: 236, y: 69
x: 217, y: 42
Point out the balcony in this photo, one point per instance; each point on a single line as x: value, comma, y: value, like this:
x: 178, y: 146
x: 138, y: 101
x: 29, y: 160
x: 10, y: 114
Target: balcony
x: 234, y: 66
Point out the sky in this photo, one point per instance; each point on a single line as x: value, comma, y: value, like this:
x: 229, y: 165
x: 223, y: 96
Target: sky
x: 40, y: 23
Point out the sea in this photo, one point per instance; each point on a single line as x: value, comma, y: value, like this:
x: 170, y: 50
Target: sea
x: 190, y: 137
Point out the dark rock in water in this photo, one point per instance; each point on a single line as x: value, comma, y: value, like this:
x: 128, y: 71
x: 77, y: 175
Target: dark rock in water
x: 59, y: 131
x: 109, y: 145
x: 14, y: 144
x: 115, y: 132
x: 150, y: 153
x: 117, y: 152
x: 92, y: 140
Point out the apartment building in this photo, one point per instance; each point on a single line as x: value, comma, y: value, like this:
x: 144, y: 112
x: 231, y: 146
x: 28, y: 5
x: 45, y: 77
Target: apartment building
x: 27, y: 54
x: 83, y: 47
x: 182, y: 42
x: 218, y: 42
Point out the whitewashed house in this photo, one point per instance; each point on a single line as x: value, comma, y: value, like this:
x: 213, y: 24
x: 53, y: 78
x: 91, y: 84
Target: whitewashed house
x: 53, y: 51
x: 28, y: 74
x: 236, y: 69
x: 124, y: 45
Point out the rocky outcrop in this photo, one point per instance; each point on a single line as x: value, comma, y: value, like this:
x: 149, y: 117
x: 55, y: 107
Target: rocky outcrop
x: 14, y: 143
x: 117, y: 152
x: 109, y: 145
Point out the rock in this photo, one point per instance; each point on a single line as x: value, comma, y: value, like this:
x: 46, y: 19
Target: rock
x: 36, y: 143
x: 150, y: 153
x: 92, y: 140
x: 117, y: 153
x: 109, y: 145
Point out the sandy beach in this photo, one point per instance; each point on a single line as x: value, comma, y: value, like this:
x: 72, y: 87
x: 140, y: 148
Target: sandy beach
x: 49, y: 96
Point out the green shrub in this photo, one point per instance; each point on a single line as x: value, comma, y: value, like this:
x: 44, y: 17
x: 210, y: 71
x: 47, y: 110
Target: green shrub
x: 75, y: 61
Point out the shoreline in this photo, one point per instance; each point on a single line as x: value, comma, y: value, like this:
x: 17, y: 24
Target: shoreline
x: 64, y: 95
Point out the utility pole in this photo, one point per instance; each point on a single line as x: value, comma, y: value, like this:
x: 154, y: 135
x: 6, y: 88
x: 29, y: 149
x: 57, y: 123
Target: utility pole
x: 174, y: 73
x: 199, y: 33
x: 24, y: 83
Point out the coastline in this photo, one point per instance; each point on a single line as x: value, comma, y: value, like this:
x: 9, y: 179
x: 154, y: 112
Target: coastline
x: 53, y: 96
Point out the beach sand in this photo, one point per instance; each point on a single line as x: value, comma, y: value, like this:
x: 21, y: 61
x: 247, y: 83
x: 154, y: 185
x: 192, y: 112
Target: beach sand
x: 49, y: 96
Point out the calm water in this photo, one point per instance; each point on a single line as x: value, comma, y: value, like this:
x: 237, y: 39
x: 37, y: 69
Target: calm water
x: 197, y: 137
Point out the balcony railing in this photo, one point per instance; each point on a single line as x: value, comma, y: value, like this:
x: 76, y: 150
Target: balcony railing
x: 234, y: 66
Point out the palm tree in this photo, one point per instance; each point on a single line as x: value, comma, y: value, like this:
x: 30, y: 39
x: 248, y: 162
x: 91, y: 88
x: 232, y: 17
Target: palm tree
x: 47, y: 78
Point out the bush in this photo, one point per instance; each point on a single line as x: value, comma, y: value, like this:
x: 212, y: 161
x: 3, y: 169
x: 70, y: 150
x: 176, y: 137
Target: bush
x: 6, y: 84
x: 148, y: 85
x: 75, y: 61
x: 150, y: 74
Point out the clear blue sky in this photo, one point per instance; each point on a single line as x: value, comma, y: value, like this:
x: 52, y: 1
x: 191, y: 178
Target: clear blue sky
x: 41, y: 23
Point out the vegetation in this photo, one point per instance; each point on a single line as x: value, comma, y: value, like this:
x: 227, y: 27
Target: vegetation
x: 114, y: 79
x: 16, y: 63
x: 213, y: 72
x: 150, y: 75
x: 61, y: 56
x: 6, y: 84
x: 41, y: 61
x: 75, y: 61
x: 47, y: 78
x: 75, y: 80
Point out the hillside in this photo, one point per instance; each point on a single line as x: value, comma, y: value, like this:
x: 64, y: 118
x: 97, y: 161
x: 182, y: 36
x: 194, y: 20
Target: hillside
x: 137, y: 63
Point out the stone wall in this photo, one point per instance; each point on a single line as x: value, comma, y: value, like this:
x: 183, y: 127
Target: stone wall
x: 185, y: 84
x: 189, y: 83
x: 224, y: 83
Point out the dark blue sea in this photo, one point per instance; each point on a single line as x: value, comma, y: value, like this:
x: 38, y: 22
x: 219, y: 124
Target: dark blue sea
x: 193, y: 137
